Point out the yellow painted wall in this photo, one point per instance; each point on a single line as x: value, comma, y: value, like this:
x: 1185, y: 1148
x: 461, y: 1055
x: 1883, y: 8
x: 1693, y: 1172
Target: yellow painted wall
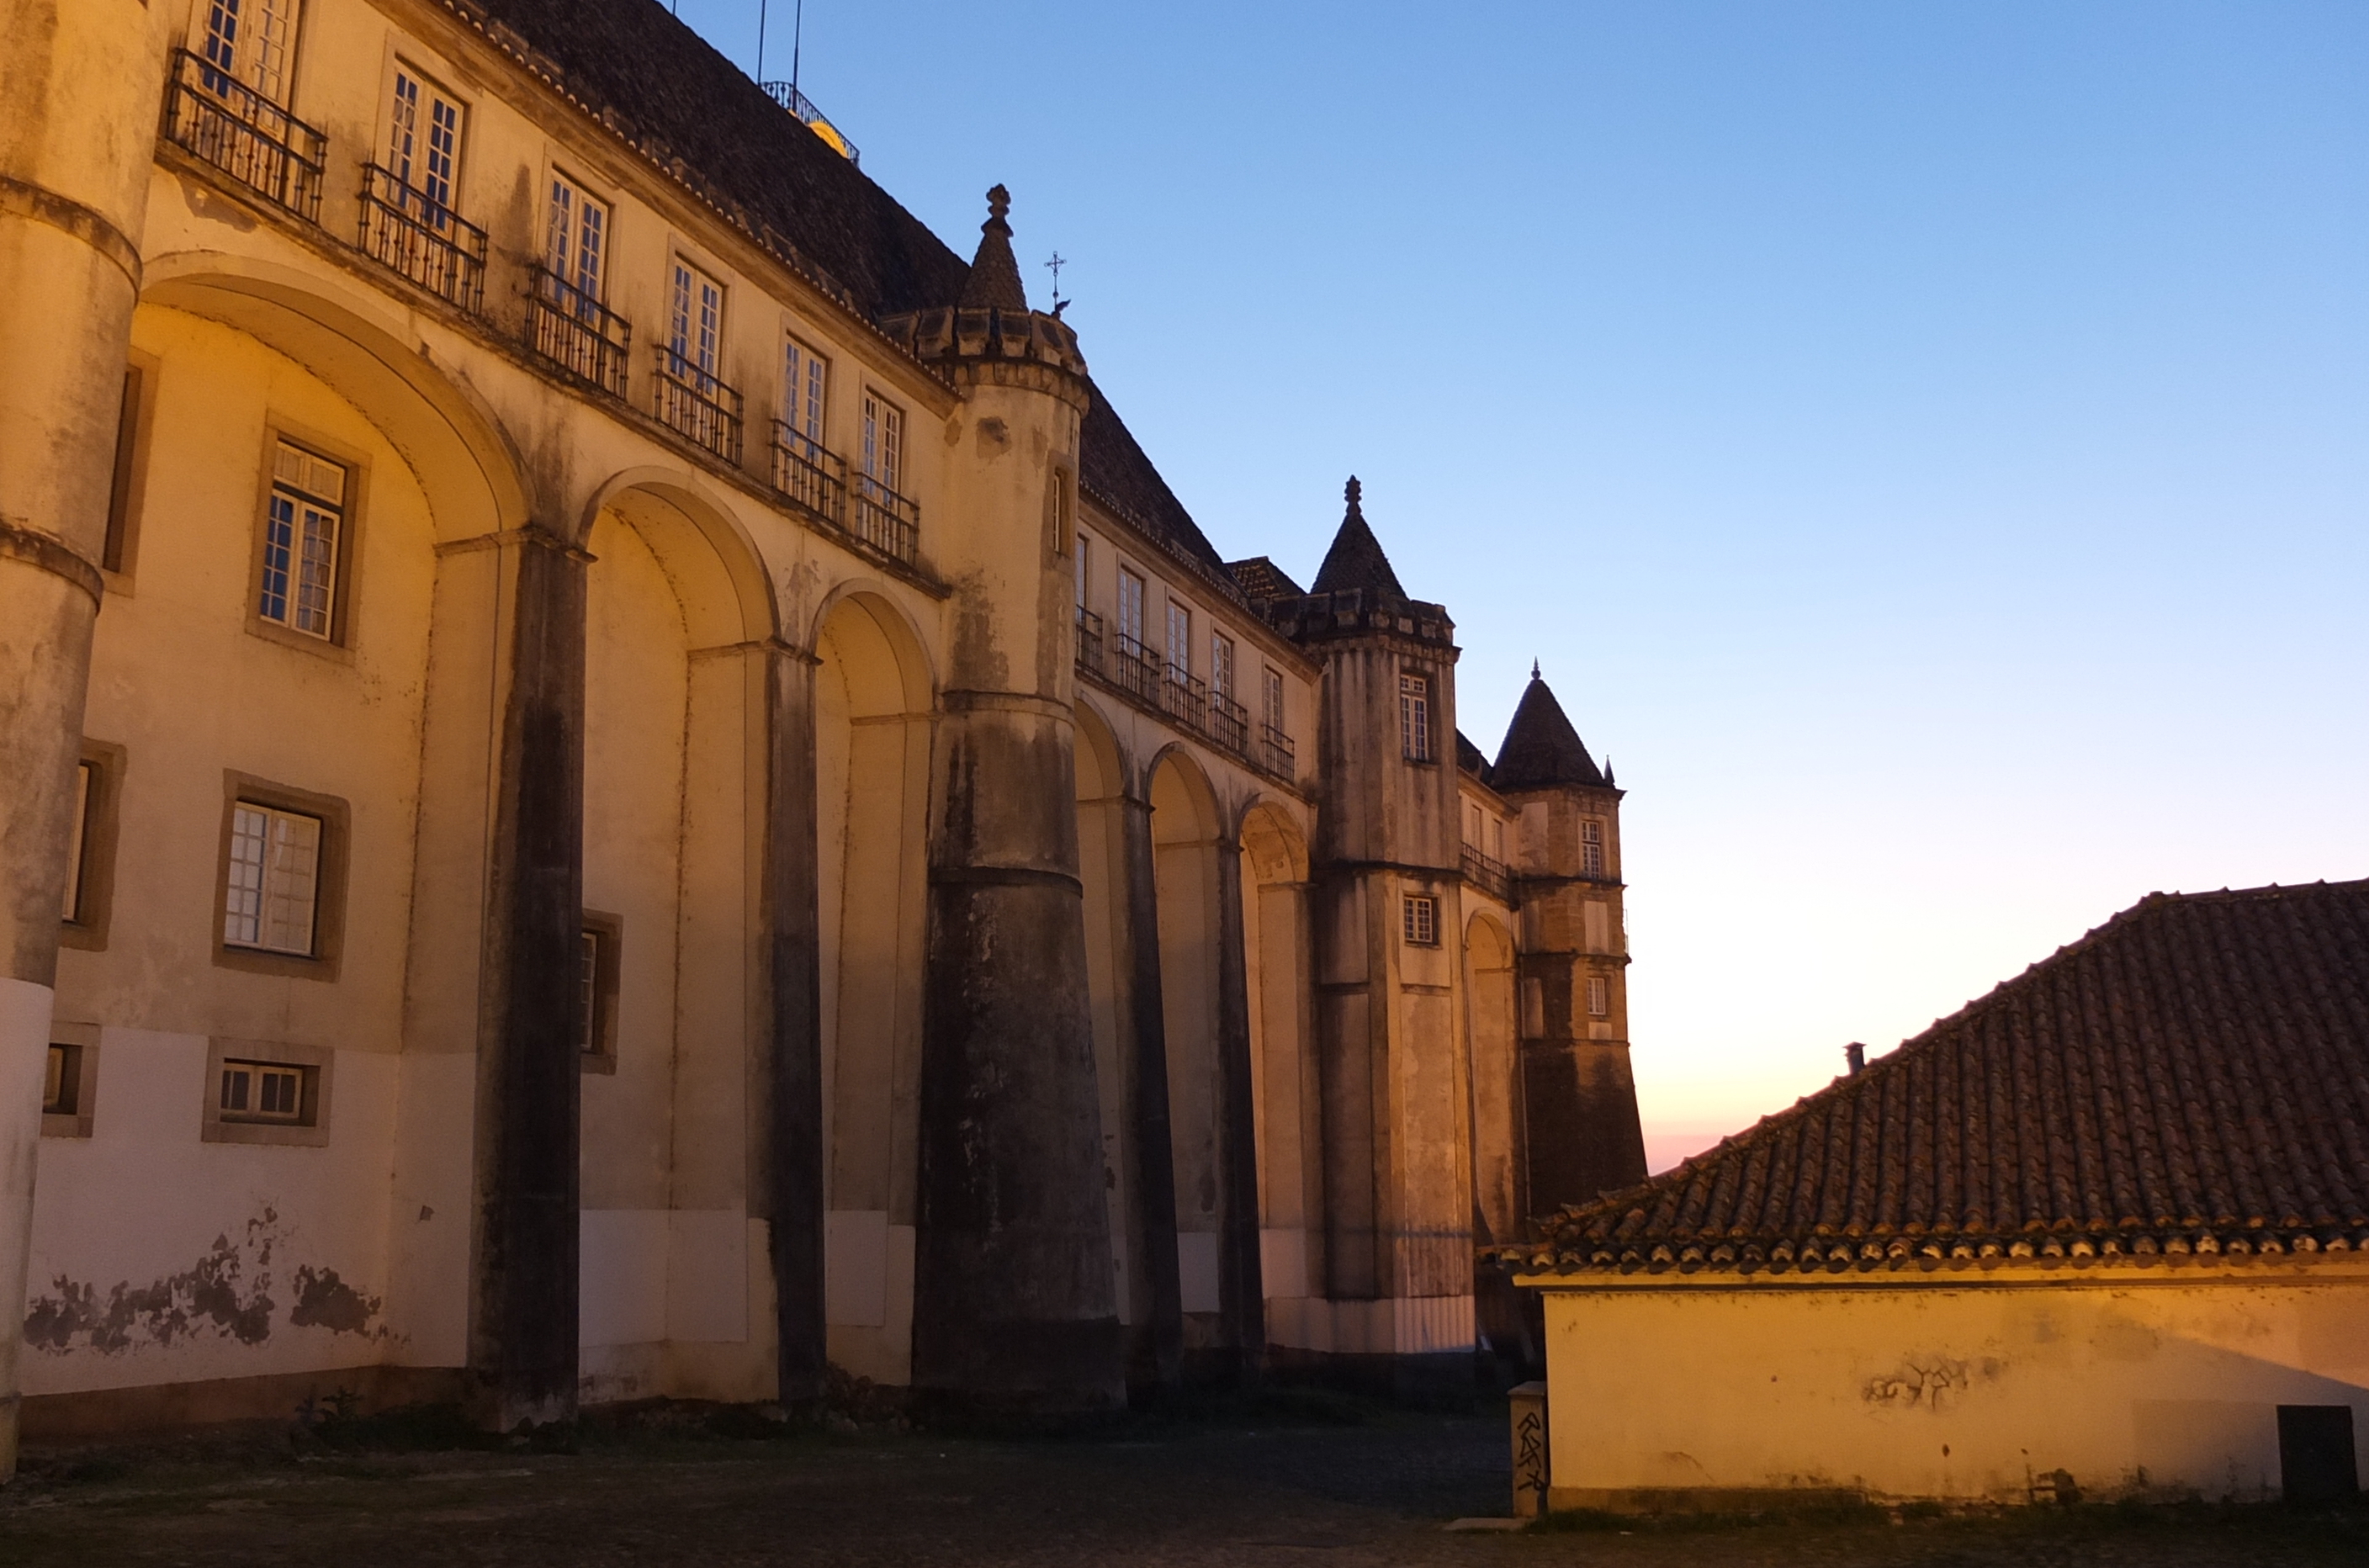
x: 2161, y: 1380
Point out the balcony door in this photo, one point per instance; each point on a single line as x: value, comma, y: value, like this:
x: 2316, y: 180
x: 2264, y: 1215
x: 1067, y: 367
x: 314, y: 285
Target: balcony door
x: 252, y: 42
x: 423, y: 148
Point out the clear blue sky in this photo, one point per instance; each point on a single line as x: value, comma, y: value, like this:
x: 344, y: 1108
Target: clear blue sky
x: 1927, y: 445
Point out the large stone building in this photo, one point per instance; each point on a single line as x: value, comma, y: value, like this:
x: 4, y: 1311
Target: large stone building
x: 649, y: 792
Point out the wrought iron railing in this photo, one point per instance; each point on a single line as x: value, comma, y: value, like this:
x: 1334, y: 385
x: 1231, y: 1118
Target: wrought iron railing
x: 1090, y: 641
x: 1277, y: 753
x: 1228, y: 723
x: 1183, y: 698
x: 809, y: 476
x: 886, y: 520
x: 577, y: 333
x: 219, y: 118
x: 1137, y: 669
x: 797, y: 103
x: 423, y: 239
x: 692, y: 401
x: 1491, y: 877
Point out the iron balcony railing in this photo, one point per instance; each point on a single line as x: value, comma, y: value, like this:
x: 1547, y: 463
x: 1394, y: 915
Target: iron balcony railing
x: 1137, y: 670
x: 885, y: 520
x: 1183, y: 698
x: 1491, y: 876
x: 221, y: 119
x: 692, y: 400
x: 577, y: 333
x: 787, y: 95
x: 1277, y: 753
x: 809, y: 476
x: 1090, y: 641
x: 423, y: 238
x: 1228, y: 723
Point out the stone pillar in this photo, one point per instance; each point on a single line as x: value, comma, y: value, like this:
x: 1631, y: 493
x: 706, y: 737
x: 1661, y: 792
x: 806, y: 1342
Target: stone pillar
x: 1013, y: 1304
x: 526, y: 1241
x: 77, y: 127
x: 1241, y: 1303
x: 1159, y: 1353
x: 792, y: 1107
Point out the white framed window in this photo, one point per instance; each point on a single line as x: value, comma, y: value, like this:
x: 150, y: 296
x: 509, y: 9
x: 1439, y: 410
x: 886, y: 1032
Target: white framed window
x: 1419, y: 920
x: 1599, y: 997
x: 806, y: 388
x: 1271, y: 700
x: 575, y: 247
x: 302, y: 531
x: 1415, y: 717
x: 252, y: 42
x: 266, y: 1091
x: 1591, y: 848
x: 1180, y: 641
x: 884, y: 441
x: 695, y: 325
x: 1130, y: 608
x: 423, y: 147
x: 273, y: 887
x: 1221, y: 664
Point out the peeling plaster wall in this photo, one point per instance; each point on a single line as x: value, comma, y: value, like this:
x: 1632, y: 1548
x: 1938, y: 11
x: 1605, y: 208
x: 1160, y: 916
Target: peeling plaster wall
x: 2164, y: 1384
x: 160, y: 1259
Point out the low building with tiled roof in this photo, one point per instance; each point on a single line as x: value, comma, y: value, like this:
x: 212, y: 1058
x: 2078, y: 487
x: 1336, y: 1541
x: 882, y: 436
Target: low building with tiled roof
x: 2102, y: 1229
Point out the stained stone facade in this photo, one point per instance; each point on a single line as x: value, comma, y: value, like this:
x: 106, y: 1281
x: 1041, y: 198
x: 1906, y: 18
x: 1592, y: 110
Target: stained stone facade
x: 650, y: 793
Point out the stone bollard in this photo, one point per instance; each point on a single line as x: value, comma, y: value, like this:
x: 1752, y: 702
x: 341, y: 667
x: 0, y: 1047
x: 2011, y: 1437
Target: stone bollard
x: 1528, y: 1407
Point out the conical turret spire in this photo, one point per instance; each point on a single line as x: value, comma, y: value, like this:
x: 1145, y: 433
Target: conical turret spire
x: 994, y: 271
x: 1355, y: 559
x: 1541, y: 746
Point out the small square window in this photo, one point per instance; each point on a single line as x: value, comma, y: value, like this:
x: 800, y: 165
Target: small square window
x: 1599, y: 997
x: 263, y: 1091
x: 1419, y: 917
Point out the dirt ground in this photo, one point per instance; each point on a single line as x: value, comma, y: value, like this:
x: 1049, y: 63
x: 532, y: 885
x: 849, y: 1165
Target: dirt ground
x: 1360, y: 1486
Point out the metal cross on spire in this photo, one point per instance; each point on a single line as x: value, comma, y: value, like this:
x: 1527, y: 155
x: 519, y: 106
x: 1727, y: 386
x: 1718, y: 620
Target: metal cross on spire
x: 1055, y: 266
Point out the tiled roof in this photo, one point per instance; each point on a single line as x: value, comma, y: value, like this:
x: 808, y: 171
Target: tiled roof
x: 1540, y: 745
x: 1469, y: 758
x: 1262, y: 580
x: 664, y: 90
x: 2192, y: 1077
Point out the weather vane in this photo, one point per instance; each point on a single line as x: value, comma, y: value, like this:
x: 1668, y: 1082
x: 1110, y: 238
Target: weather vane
x: 1055, y: 266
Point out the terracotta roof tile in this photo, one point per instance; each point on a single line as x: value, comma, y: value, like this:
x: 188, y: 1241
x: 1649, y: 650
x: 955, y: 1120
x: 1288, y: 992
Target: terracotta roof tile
x: 2191, y: 1078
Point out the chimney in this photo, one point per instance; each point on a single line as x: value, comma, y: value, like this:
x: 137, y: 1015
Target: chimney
x: 1855, y: 1055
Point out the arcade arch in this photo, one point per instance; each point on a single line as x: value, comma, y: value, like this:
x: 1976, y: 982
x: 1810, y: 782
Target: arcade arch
x: 1186, y: 830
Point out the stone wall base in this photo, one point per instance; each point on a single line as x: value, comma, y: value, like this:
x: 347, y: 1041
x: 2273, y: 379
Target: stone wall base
x: 166, y: 1407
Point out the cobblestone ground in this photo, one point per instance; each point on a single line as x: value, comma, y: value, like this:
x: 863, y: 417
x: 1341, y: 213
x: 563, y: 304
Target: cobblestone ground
x: 1170, y: 1494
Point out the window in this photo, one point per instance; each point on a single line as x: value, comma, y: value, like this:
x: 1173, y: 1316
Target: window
x: 261, y: 1091
x: 596, y: 983
x: 274, y: 880
x: 1591, y: 848
x: 78, y: 842
x: 1180, y: 642
x: 1415, y: 717
x: 248, y: 41
x: 423, y: 148
x: 302, y: 527
x: 119, y: 498
x: 1221, y: 665
x: 1599, y: 997
x: 695, y: 325
x: 1085, y: 555
x: 1130, y: 610
x: 577, y: 247
x: 271, y: 1091
x: 1497, y: 838
x: 70, y: 1081
x: 1270, y: 701
x: 1419, y: 917
x: 884, y: 441
x: 806, y: 378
